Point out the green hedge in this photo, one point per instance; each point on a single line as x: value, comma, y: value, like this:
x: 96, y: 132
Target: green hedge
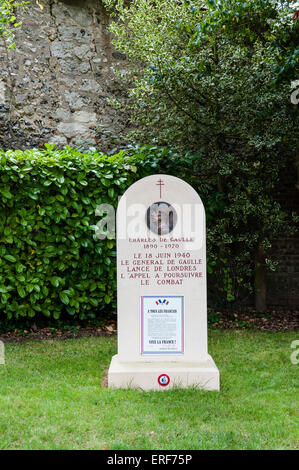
x: 51, y: 262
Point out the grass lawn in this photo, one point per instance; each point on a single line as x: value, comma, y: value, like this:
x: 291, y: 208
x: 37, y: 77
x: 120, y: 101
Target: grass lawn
x: 51, y: 397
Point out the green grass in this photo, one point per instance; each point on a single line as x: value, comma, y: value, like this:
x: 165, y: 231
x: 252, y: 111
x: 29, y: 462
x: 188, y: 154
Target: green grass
x: 51, y: 397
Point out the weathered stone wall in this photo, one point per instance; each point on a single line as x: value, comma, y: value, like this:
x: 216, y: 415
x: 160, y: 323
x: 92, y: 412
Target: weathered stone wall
x: 54, y: 85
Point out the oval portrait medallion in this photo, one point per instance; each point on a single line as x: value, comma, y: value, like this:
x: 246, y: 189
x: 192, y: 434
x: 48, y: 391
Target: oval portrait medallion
x: 161, y: 218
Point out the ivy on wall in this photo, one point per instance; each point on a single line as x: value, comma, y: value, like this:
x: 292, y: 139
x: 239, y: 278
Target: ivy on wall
x: 8, y: 20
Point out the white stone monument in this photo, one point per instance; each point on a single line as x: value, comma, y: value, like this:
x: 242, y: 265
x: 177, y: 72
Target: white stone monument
x: 162, y: 298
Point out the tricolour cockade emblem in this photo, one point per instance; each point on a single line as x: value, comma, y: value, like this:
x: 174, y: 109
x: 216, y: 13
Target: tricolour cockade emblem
x: 163, y: 380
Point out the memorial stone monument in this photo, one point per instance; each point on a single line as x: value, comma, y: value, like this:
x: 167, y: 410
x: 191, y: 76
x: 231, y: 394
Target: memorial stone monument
x: 162, y: 292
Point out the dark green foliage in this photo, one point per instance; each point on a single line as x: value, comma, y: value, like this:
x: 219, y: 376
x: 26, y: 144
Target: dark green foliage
x: 213, y: 78
x: 51, y: 262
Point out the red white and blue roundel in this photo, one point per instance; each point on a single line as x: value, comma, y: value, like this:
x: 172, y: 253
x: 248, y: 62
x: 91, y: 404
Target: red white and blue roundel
x: 163, y: 380
x: 162, y: 302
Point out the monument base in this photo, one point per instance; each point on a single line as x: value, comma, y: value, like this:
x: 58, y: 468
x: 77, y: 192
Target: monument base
x: 163, y: 375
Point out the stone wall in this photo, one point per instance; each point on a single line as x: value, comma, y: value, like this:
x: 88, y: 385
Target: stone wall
x: 283, y: 284
x: 54, y: 85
